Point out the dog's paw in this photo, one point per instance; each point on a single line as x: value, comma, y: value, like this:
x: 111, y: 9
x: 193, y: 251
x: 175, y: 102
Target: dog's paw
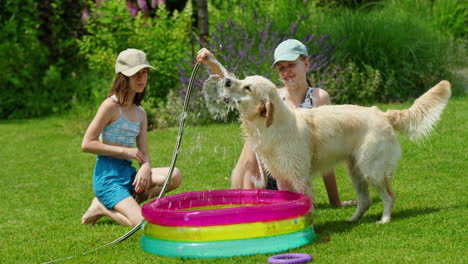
x: 384, y: 220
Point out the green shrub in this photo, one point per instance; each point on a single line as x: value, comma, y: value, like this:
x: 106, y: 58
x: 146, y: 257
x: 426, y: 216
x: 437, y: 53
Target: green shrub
x: 164, y: 38
x: 451, y: 17
x: 108, y: 29
x: 36, y: 78
x: 22, y: 61
x: 409, y: 54
x: 384, y: 52
x: 246, y: 50
x: 350, y: 84
x: 448, y: 16
x: 391, y: 37
x: 283, y: 12
x: 169, y: 113
x: 168, y: 43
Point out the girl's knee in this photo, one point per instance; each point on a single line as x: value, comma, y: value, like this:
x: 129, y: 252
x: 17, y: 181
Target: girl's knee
x: 135, y: 219
x: 236, y: 179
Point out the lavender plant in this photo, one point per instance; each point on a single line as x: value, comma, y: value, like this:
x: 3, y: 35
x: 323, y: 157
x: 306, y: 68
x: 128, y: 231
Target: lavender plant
x: 246, y: 51
x: 348, y: 84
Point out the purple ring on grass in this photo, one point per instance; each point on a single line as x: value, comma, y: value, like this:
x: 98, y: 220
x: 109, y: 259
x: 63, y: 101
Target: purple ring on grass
x: 290, y: 258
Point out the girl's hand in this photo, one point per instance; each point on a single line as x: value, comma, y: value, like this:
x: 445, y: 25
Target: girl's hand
x: 207, y: 58
x: 133, y: 153
x: 203, y: 56
x: 142, y: 179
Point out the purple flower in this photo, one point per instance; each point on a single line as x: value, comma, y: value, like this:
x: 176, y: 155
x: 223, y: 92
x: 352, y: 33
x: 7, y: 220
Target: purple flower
x: 85, y: 15
x: 308, y: 39
x: 143, y: 6
x: 132, y: 8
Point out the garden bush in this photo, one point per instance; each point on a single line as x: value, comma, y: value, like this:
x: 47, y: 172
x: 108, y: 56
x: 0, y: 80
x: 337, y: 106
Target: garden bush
x: 378, y: 52
x: 111, y: 29
x: 450, y: 17
x: 243, y: 52
x: 37, y: 62
x: 348, y: 83
x: 372, y: 51
x: 410, y: 55
x: 20, y: 54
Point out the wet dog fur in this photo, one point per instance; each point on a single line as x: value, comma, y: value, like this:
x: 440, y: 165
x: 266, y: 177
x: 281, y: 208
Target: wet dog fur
x: 296, y: 144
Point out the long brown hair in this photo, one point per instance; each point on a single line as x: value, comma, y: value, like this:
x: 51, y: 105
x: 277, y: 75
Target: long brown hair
x: 121, y: 87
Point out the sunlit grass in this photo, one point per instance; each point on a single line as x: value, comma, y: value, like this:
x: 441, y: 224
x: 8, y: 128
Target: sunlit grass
x: 47, y: 186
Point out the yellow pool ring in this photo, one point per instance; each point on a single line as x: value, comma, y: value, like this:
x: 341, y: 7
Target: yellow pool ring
x: 227, y: 232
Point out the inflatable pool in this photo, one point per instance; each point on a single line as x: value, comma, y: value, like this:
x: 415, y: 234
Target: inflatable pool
x: 225, y: 223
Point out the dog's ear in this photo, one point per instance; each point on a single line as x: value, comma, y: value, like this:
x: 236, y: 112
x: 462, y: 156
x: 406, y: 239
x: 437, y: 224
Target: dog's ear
x: 266, y: 110
x: 269, y: 113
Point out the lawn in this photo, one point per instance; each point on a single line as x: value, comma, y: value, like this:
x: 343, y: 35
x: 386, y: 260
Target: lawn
x: 47, y: 186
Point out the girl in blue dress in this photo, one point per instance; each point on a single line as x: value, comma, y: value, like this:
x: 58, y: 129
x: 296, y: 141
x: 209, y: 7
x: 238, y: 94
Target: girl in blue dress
x: 117, y: 135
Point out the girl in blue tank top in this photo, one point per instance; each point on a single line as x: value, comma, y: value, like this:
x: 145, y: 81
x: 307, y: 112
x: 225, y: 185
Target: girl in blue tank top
x: 117, y: 135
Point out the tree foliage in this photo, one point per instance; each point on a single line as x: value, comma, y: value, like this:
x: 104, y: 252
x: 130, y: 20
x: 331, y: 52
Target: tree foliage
x: 37, y: 44
x: 111, y: 28
x: 51, y: 58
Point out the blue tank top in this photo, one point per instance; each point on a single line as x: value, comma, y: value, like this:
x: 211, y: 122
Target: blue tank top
x: 122, y: 131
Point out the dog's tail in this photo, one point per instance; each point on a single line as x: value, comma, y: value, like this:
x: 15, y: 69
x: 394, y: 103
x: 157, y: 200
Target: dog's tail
x: 418, y: 121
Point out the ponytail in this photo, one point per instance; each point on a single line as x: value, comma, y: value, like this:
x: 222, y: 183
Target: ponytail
x: 309, y: 81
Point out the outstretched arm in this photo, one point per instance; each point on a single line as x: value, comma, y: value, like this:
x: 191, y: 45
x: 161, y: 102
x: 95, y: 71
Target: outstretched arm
x: 207, y: 58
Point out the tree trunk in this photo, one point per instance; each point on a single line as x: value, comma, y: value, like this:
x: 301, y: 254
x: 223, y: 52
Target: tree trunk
x: 202, y: 10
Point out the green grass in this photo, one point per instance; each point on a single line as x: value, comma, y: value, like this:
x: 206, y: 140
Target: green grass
x: 46, y: 187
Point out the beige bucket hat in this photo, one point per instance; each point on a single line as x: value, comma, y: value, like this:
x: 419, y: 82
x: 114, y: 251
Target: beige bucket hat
x: 130, y: 61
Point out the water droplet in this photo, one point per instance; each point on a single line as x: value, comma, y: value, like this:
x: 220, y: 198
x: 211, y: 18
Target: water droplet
x: 259, y: 162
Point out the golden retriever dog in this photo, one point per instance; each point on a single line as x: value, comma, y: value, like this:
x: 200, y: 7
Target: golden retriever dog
x: 295, y: 144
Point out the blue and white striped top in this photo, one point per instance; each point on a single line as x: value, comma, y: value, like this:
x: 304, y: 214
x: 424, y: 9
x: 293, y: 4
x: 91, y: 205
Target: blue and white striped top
x: 122, y: 131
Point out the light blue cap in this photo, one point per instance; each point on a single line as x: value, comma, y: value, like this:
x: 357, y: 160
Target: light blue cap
x: 289, y: 50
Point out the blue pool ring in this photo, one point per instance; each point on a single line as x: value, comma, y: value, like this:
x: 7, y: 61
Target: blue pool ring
x: 228, y: 248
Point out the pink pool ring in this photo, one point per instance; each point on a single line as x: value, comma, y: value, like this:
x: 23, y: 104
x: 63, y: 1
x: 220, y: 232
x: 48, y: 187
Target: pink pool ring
x: 250, y: 206
x: 226, y: 223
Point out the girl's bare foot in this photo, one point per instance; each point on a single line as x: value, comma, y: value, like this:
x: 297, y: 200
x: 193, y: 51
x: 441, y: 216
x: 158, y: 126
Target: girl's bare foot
x: 348, y: 203
x: 95, y: 211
